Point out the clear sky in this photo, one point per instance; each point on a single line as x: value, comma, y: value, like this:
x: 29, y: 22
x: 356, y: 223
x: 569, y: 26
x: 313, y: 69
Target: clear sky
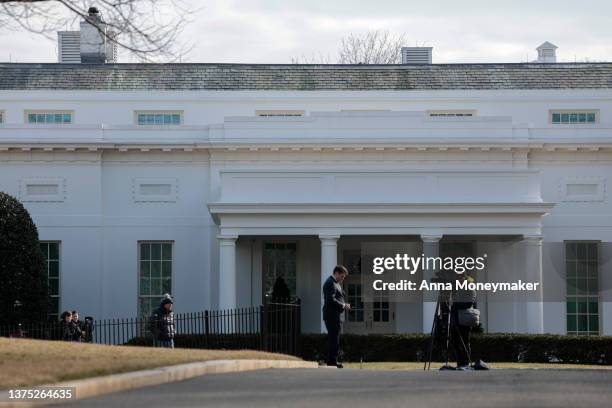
x: 273, y: 31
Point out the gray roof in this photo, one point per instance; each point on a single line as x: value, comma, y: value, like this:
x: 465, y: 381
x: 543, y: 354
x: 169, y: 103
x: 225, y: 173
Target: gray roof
x: 304, y: 77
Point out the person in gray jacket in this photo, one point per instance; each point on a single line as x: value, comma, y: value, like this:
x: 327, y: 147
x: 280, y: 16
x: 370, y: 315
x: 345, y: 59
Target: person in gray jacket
x: 162, y: 323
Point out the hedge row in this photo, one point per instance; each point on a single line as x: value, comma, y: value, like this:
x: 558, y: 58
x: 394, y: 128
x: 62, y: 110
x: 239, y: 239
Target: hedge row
x: 200, y: 341
x: 535, y: 348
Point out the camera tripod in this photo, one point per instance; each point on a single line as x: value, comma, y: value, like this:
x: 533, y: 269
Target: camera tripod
x: 445, y: 299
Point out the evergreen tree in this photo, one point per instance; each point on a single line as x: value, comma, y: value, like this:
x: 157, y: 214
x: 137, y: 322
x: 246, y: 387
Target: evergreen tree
x: 23, y: 274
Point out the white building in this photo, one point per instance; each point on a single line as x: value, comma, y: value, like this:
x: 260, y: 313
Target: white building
x: 208, y: 180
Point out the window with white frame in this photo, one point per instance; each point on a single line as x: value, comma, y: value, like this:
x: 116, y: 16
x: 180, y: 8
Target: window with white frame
x: 574, y: 117
x: 582, y: 278
x: 279, y: 113
x: 49, y: 117
x: 155, y: 274
x: 355, y: 299
x: 158, y: 118
x: 451, y: 113
x: 353, y: 286
x: 51, y: 255
x: 380, y: 307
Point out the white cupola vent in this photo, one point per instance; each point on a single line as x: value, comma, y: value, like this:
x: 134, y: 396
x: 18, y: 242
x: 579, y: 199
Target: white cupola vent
x: 547, y: 53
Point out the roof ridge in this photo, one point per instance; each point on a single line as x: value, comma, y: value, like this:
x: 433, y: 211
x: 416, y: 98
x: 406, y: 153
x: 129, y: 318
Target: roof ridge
x: 355, y: 66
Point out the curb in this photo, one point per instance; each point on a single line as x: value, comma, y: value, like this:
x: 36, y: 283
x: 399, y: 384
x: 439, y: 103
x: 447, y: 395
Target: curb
x: 96, y: 386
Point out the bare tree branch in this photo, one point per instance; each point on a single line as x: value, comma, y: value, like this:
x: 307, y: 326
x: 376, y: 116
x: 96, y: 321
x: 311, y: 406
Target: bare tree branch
x: 374, y: 47
x: 148, y: 29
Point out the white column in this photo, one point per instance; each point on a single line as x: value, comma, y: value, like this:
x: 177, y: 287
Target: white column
x: 329, y: 260
x: 605, y: 282
x: 227, y: 271
x: 533, y: 273
x: 431, y: 248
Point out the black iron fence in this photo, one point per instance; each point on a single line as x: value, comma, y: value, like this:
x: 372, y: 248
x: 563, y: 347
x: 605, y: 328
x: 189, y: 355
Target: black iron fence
x: 274, y: 326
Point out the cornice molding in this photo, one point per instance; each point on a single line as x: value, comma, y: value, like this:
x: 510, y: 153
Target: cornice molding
x: 220, y: 209
x: 381, y: 208
x: 360, y: 146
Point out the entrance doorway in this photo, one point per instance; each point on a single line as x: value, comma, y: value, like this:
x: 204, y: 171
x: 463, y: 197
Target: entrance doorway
x: 377, y: 315
x: 279, y: 263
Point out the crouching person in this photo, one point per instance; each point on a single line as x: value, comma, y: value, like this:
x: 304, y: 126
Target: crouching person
x: 162, y: 323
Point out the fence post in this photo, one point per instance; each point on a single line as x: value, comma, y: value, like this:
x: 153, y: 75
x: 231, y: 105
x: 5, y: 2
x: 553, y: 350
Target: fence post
x: 298, y: 327
x: 206, y: 328
x: 264, y: 326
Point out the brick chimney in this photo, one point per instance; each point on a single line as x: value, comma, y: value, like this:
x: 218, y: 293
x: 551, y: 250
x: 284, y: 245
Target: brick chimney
x: 95, y: 48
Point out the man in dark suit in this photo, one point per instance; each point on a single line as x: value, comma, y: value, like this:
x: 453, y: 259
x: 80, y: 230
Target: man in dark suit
x: 333, y: 312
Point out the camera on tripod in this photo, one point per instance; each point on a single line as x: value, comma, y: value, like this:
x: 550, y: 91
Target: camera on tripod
x: 443, y: 323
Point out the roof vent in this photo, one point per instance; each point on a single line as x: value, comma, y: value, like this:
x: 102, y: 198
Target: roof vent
x: 416, y: 55
x: 69, y: 47
x: 547, y: 53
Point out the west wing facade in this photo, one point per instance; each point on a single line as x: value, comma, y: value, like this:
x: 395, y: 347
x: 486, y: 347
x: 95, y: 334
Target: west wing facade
x: 212, y: 191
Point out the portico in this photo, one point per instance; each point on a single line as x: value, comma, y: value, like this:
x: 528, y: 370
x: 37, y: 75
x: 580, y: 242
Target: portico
x: 425, y: 219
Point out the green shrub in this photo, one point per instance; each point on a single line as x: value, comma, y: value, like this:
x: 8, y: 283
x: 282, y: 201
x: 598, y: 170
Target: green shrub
x: 23, y: 275
x: 535, y: 348
x: 531, y: 348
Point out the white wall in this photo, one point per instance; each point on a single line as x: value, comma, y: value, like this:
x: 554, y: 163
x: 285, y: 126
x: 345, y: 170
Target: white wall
x: 99, y: 225
x: 206, y: 107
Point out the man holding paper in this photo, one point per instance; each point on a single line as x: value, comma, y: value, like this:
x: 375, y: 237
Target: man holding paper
x: 333, y: 312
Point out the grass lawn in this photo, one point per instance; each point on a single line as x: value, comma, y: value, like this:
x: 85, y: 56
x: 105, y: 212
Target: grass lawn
x: 436, y: 365
x: 30, y: 362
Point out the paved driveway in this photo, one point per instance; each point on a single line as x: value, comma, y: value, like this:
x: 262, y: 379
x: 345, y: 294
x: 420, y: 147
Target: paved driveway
x: 375, y: 388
